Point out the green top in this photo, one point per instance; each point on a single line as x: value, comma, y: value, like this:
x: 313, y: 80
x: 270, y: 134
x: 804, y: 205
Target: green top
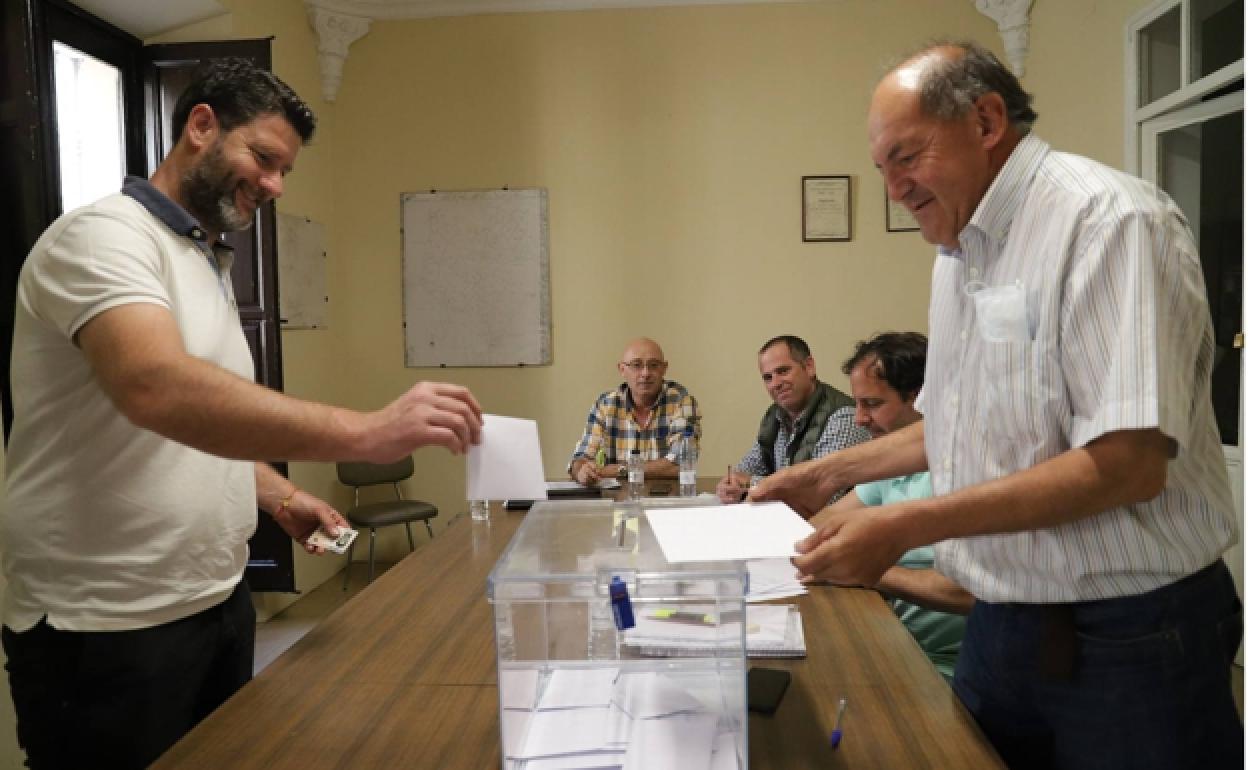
x: 939, y: 634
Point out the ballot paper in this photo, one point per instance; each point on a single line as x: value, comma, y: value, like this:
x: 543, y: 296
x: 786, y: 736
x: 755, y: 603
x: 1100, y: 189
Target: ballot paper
x: 507, y: 464
x: 648, y: 694
x: 565, y: 731
x: 518, y: 688
x: 772, y: 579
x: 570, y: 688
x: 728, y: 532
x: 675, y: 743
x: 725, y: 754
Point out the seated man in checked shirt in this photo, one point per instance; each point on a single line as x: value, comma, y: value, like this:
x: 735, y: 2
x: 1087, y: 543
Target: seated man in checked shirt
x: 646, y: 412
x: 809, y: 418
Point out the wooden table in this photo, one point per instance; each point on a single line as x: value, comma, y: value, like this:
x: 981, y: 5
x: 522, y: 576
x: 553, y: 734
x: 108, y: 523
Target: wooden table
x: 403, y: 676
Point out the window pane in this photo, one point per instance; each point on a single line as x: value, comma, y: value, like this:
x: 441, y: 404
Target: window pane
x: 1159, y: 57
x: 1217, y: 35
x: 1202, y: 167
x: 89, y: 126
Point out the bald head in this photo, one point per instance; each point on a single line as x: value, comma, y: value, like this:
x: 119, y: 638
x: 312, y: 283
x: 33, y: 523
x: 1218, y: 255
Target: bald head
x: 643, y: 368
x: 939, y: 135
x: 950, y: 77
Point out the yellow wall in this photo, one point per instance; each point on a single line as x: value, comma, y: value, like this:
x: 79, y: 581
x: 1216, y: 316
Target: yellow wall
x: 671, y: 142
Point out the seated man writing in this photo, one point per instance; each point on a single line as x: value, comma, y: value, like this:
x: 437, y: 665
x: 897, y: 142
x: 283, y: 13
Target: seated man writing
x: 809, y: 418
x: 646, y: 412
x: 885, y: 374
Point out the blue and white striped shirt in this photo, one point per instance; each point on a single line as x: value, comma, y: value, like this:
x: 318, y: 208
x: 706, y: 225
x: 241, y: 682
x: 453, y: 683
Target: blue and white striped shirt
x: 1102, y: 325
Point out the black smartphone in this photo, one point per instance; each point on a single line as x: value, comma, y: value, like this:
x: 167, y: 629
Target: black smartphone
x: 765, y: 687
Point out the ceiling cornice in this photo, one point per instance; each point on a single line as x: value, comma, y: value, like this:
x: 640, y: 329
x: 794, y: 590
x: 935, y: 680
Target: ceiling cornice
x: 339, y: 23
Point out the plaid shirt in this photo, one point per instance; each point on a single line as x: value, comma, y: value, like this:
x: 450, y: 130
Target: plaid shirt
x: 839, y: 433
x: 612, y: 427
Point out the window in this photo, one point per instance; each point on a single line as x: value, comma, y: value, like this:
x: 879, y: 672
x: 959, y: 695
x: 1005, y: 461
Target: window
x: 90, y: 125
x: 1185, y: 128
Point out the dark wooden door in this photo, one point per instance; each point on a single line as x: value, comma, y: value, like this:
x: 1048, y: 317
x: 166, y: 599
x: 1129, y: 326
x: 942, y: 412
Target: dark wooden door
x: 168, y: 69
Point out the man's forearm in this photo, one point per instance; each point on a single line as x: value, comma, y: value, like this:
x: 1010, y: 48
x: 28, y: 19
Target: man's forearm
x: 1117, y: 469
x: 271, y: 487
x: 201, y: 405
x: 662, y: 469
x: 926, y: 588
x: 898, y: 454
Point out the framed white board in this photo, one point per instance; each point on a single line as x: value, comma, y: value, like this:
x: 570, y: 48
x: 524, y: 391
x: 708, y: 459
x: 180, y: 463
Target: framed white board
x: 303, y: 297
x: 476, y: 289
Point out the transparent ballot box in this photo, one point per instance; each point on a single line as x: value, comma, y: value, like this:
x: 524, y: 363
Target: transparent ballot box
x: 577, y: 692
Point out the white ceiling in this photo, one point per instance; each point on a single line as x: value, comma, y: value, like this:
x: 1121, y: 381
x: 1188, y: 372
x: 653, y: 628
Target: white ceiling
x: 144, y: 18
x: 147, y: 18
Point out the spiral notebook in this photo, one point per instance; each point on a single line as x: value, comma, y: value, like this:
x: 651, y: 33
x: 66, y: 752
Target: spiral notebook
x: 771, y: 631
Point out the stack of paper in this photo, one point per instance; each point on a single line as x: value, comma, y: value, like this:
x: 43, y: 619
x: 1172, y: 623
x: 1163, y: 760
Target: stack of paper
x: 772, y: 579
x: 601, y: 719
x: 771, y: 631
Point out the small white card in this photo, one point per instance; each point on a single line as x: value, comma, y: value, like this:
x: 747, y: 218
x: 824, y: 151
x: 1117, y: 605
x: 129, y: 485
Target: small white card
x: 507, y: 464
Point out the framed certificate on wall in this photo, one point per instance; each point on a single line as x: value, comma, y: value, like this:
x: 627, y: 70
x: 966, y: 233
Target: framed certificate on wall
x: 898, y: 218
x: 825, y: 208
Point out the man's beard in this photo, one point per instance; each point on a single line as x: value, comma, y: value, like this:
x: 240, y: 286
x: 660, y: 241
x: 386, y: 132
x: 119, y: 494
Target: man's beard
x: 209, y: 190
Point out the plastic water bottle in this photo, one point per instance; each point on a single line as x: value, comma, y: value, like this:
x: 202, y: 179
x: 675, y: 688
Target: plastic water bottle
x: 636, y: 475
x: 687, y: 456
x: 480, y: 510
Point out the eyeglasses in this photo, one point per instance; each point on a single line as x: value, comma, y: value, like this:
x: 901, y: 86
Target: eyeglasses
x: 653, y: 365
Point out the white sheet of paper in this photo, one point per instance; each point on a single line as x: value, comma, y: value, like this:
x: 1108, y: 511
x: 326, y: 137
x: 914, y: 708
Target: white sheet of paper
x: 649, y: 694
x: 566, y: 731
x: 728, y: 532
x: 671, y: 743
x: 507, y: 464
x: 599, y: 760
x: 571, y: 688
x: 518, y: 688
x: 725, y: 756
x: 515, y: 730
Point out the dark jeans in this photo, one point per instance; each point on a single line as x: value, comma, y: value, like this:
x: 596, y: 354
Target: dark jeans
x: 118, y: 699
x: 1135, y: 683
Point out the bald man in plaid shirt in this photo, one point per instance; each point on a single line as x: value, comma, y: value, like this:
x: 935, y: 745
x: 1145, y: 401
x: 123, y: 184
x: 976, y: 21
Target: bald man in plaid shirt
x: 646, y: 412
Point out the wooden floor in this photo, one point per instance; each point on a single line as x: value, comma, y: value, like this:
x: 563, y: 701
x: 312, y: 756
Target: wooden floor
x: 276, y: 635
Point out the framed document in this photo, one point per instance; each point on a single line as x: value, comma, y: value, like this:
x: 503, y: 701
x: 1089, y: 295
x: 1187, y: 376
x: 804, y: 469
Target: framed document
x: 825, y: 208
x: 897, y: 217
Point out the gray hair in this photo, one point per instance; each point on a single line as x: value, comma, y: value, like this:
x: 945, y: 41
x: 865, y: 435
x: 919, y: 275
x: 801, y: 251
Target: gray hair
x: 949, y: 86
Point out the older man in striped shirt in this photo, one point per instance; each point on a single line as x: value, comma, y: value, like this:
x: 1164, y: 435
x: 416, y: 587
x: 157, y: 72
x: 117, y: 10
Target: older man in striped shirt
x: 1080, y: 489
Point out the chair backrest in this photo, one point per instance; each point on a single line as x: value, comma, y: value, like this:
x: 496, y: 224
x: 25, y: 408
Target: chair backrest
x: 366, y: 474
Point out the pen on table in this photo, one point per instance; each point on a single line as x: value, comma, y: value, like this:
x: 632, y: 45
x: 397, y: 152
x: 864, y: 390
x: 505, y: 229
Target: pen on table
x: 835, y: 740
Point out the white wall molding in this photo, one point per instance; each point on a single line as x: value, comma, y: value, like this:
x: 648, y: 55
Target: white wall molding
x: 339, y: 23
x: 1013, y: 18
x: 335, y: 32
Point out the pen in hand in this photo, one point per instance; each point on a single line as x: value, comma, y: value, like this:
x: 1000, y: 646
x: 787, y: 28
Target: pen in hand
x: 835, y: 740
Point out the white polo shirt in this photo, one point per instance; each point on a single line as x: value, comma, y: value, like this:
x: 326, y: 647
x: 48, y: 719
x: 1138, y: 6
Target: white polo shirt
x: 108, y: 526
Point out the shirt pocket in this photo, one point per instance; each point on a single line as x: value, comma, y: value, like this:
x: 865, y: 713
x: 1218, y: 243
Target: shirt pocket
x: 1007, y: 400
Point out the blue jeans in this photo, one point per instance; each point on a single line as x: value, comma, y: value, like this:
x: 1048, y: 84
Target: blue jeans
x: 1135, y: 683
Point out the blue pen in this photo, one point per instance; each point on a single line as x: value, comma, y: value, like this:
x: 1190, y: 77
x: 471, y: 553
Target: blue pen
x: 840, y: 714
